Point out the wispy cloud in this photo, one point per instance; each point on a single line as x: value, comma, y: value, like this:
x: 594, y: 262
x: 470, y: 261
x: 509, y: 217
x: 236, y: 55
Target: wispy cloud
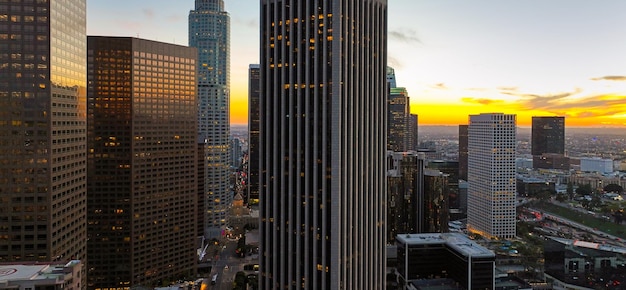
x: 148, y: 13
x: 440, y: 86
x: 174, y: 18
x: 610, y: 78
x: 482, y: 101
x: 575, y: 105
x: 405, y: 35
x: 394, y: 62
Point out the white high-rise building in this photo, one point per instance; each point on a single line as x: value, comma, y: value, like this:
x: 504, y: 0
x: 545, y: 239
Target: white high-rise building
x: 209, y: 31
x: 491, y: 175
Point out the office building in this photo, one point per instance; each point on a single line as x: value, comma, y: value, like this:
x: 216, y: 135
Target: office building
x: 25, y: 276
x: 451, y: 168
x: 405, y: 180
x: 445, y: 255
x: 254, y: 93
x: 491, y: 175
x: 577, y: 264
x: 463, y: 139
x: 398, y: 117
x: 547, y: 136
x: 237, y: 153
x: 142, y: 162
x: 596, y: 164
x: 209, y: 32
x: 432, y: 203
x: 323, y: 141
x: 391, y: 77
x: 411, y: 135
x: 43, y: 154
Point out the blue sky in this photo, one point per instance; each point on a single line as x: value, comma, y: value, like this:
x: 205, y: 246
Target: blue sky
x: 534, y: 56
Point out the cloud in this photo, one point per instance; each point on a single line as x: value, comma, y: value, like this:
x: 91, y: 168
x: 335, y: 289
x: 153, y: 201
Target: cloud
x: 481, y: 101
x: 572, y: 104
x: 441, y: 86
x: 610, y: 78
x: 407, y: 36
x: 148, y: 13
x: 394, y: 62
x: 176, y: 18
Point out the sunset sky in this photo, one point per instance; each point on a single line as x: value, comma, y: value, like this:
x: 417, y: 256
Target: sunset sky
x: 531, y: 58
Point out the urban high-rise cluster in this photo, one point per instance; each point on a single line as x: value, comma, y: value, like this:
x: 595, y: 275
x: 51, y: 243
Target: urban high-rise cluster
x: 118, y: 169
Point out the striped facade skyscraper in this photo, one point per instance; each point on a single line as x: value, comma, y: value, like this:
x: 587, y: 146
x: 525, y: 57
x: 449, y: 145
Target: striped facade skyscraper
x: 209, y: 32
x: 323, y: 144
x: 491, y: 175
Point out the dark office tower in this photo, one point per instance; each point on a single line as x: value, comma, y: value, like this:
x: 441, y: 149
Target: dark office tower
x: 43, y: 162
x: 405, y: 180
x: 141, y: 162
x: 412, y: 133
x: 253, y: 133
x: 209, y: 32
x: 398, y: 117
x: 391, y: 77
x: 432, y: 203
x: 323, y: 144
x: 548, y: 137
x: 463, y: 139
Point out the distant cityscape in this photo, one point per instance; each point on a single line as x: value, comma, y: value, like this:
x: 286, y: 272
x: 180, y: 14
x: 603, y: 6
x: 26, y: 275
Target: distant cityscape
x: 120, y: 168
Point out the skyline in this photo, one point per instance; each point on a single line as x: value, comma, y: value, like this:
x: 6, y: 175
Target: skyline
x: 528, y: 58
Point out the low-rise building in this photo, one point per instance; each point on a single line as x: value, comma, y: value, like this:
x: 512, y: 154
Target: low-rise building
x: 49, y: 276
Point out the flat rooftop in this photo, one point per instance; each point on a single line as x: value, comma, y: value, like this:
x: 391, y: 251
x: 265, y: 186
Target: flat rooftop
x: 457, y: 241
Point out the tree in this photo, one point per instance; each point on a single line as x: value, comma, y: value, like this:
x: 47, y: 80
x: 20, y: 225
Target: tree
x: 570, y: 190
x: 561, y: 197
x: 614, y: 188
x: 584, y: 189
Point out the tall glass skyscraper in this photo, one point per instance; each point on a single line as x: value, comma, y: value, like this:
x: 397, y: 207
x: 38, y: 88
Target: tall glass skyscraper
x: 209, y: 32
x: 491, y: 175
x: 323, y: 144
x: 43, y: 133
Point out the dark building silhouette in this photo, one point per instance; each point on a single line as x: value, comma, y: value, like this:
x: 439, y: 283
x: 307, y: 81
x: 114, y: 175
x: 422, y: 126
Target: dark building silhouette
x: 412, y: 131
x: 142, y: 196
x: 405, y: 180
x: 463, y: 142
x: 577, y: 264
x: 432, y: 201
x: 450, y: 168
x: 323, y: 122
x: 548, y: 143
x: 254, y: 93
x: 448, y: 255
x: 43, y: 154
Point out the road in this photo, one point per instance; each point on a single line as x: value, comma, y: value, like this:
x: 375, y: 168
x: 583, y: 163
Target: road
x: 226, y: 275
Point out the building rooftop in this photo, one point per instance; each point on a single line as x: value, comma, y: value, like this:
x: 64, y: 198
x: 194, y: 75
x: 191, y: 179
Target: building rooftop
x: 457, y: 241
x: 30, y: 272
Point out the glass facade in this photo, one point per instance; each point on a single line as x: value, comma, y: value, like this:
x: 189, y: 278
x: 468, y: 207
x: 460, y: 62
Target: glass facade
x: 209, y: 32
x: 142, y: 162
x: 254, y: 93
x: 42, y: 130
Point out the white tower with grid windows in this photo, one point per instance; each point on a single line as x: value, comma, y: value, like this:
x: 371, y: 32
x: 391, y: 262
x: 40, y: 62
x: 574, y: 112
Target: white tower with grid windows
x: 491, y: 175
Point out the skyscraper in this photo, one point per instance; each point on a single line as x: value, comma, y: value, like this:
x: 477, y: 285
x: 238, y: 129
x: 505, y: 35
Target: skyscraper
x: 548, y: 143
x: 254, y: 93
x: 323, y: 144
x: 463, y: 139
x: 391, y: 77
x: 398, y: 112
x: 43, y: 154
x: 209, y: 32
x: 142, y: 162
x: 405, y: 181
x: 491, y: 175
x: 548, y: 135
